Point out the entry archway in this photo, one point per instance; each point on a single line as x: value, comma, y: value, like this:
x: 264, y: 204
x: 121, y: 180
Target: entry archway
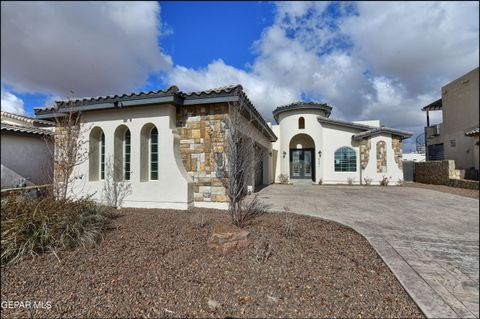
x: 302, y: 157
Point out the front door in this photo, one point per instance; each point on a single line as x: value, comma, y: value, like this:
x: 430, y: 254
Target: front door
x: 301, y: 164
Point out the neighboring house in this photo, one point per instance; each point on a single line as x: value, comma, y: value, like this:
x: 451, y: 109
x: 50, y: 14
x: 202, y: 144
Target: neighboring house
x: 166, y: 144
x: 452, y: 139
x: 312, y: 146
x: 26, y: 145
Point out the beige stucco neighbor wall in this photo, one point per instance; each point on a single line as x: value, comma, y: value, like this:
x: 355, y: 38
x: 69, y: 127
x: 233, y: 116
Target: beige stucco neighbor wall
x: 460, y: 108
x: 173, y: 189
x: 25, y: 156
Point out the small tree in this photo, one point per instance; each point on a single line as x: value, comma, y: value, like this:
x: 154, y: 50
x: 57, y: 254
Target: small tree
x: 69, y: 148
x: 115, y: 190
x: 236, y: 167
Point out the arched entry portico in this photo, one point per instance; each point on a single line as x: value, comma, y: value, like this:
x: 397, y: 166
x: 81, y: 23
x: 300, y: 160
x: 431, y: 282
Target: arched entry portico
x: 302, y: 157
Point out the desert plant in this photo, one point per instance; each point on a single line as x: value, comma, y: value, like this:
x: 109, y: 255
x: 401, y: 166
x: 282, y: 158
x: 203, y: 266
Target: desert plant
x: 384, y: 181
x: 235, y: 167
x: 368, y: 181
x: 400, y: 182
x: 283, y: 179
x: 115, y: 190
x: 198, y: 220
x: 34, y: 226
x: 263, y: 251
x: 350, y: 180
x: 320, y: 181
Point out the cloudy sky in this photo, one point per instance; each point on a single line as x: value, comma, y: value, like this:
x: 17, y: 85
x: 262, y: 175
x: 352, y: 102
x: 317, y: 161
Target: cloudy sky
x: 369, y: 60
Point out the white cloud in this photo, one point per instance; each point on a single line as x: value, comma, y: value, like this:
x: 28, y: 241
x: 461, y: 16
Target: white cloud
x: 384, y: 63
x: 91, y: 48
x: 11, y: 103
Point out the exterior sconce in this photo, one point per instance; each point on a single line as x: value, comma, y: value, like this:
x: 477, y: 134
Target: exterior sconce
x: 270, y: 153
x: 284, y: 154
x: 319, y: 153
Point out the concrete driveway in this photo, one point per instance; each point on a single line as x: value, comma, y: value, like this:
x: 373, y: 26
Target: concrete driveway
x: 429, y: 239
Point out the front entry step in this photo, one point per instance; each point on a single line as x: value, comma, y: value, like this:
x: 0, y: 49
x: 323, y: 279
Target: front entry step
x: 301, y: 181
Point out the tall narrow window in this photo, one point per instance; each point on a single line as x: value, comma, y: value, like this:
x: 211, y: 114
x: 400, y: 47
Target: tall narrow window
x: 154, y: 154
x: 301, y: 123
x: 102, y: 156
x: 127, y: 155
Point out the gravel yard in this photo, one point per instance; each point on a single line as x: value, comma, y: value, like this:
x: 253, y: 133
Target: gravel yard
x: 155, y: 263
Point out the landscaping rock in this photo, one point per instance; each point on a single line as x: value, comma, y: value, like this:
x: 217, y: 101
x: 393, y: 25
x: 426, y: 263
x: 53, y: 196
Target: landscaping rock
x: 227, y: 238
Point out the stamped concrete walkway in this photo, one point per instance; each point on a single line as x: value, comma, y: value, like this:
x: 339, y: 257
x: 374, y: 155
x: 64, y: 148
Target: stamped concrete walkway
x: 429, y: 239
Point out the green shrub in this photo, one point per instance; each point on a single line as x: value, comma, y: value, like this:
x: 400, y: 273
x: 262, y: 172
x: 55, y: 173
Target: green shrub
x: 34, y: 226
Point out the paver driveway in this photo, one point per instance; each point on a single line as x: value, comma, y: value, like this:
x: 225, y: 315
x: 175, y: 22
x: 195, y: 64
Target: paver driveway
x: 429, y: 239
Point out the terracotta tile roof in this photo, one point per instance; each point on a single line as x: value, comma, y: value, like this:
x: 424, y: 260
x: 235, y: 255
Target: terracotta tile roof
x: 26, y: 119
x: 302, y: 105
x: 24, y: 129
x: 473, y: 132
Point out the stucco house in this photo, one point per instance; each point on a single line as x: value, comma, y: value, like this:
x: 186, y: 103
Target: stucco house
x: 26, y: 145
x: 167, y: 143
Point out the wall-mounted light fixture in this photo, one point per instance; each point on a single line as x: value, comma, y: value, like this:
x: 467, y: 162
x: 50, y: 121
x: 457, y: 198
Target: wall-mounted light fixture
x: 319, y: 153
x: 284, y: 154
x: 270, y: 153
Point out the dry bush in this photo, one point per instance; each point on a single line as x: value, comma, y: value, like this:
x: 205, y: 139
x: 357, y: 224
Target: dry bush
x: 198, y: 220
x: 350, y: 180
x: 262, y: 252
x: 384, y: 181
x: 34, y: 226
x: 320, y: 181
x: 400, y: 182
x: 249, y: 209
x: 283, y: 179
x: 368, y: 181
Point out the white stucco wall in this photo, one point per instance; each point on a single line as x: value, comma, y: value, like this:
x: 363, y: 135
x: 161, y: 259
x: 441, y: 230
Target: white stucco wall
x: 173, y: 189
x: 328, y: 138
x: 25, y: 156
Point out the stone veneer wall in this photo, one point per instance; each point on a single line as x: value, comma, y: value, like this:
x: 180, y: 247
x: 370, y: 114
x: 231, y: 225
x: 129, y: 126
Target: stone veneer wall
x: 201, y: 129
x: 381, y: 157
x: 435, y: 172
x: 365, y: 147
x: 397, y: 151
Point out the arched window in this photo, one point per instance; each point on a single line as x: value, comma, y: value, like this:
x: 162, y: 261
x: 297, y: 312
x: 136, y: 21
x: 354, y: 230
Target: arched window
x: 149, y: 153
x: 126, y: 155
x: 102, y: 156
x: 96, y: 155
x: 381, y: 157
x: 154, y: 154
x: 122, y: 153
x: 301, y: 123
x: 345, y: 160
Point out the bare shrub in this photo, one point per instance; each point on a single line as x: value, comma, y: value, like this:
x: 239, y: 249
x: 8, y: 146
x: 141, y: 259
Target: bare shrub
x: 34, y: 226
x: 384, y: 181
x: 115, y: 190
x: 263, y: 251
x: 320, y: 181
x: 249, y: 209
x: 368, y: 181
x: 350, y: 180
x: 198, y: 220
x: 236, y: 166
x: 283, y: 179
x: 400, y: 182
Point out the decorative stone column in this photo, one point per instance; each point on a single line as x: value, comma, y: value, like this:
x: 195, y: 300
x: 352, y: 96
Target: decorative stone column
x: 365, y: 147
x: 397, y: 150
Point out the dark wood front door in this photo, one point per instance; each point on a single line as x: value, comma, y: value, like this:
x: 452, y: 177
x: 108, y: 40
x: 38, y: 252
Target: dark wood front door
x: 302, y: 164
